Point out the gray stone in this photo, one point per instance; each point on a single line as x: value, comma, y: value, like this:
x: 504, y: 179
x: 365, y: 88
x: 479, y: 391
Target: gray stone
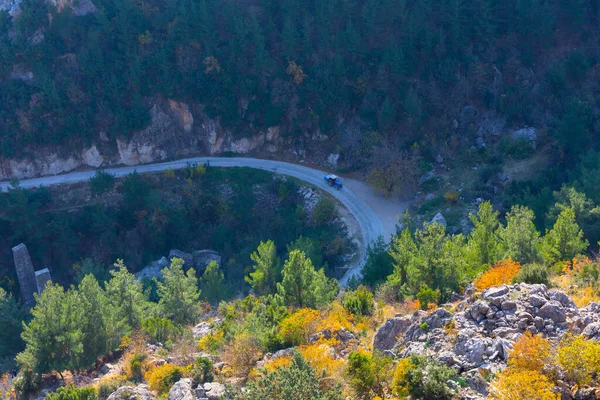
x: 536, y: 301
x: 480, y: 142
x: 42, y: 278
x: 562, y: 298
x: 201, y: 330
x: 140, y: 392
x: 203, y: 257
x: 527, y: 134
x: 497, y: 291
x: 214, y: 390
x: 182, y: 390
x: 479, y: 309
x: 509, y: 305
x: 25, y: 274
x: 427, y: 177
x: 591, y: 330
x: 439, y: 218
x: 188, y: 259
x: 554, y: 311
x: 332, y: 159
x: 387, y: 336
x: 467, y: 115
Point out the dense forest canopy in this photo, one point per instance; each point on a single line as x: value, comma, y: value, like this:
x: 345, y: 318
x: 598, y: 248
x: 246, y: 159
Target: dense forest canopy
x: 392, y: 64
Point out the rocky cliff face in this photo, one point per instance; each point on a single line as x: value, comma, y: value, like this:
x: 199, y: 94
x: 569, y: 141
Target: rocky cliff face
x: 476, y: 335
x: 176, y: 130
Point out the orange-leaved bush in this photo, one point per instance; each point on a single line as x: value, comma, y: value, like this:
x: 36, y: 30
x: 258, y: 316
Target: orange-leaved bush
x: 501, y: 273
x: 530, y: 352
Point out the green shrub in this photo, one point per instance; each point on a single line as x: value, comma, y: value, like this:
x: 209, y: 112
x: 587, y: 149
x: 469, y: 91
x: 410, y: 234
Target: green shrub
x: 359, y: 301
x: 202, y: 370
x: 368, y: 373
x: 101, y: 182
x: 72, y: 393
x: 516, y: 148
x: 532, y: 273
x: 324, y: 212
x: 109, y: 386
x: 426, y: 378
x: 427, y: 296
x: 296, y: 381
x: 137, y: 366
x: 159, y: 330
x: 27, y: 382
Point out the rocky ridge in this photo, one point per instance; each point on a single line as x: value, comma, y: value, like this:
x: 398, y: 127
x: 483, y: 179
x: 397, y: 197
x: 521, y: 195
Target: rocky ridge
x: 476, y: 334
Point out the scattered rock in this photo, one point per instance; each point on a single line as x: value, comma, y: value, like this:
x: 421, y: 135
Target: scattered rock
x: 188, y: 259
x: 182, y: 390
x: 554, y: 311
x: 467, y: 115
x: 332, y: 159
x: 527, y: 134
x: 204, y: 257
x: 214, y: 390
x: 387, y: 335
x: 140, y: 392
x: 201, y: 330
x: 480, y: 142
x: 439, y: 218
x: 427, y: 177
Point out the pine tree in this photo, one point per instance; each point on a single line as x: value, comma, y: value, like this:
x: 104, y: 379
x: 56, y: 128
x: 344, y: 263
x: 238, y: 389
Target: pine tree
x: 483, y: 242
x: 96, y: 335
x: 11, y: 321
x: 213, y: 283
x: 54, y: 337
x: 519, y: 238
x: 179, y: 294
x: 302, y: 285
x: 127, y: 301
x: 266, y: 269
x: 565, y: 240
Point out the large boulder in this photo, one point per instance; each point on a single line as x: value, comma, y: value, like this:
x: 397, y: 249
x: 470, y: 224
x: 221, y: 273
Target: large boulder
x: 188, y: 259
x: 387, y: 336
x: 214, y: 390
x: 140, y: 392
x: 182, y: 390
x: 203, y: 257
x: 439, y: 219
x: 554, y: 311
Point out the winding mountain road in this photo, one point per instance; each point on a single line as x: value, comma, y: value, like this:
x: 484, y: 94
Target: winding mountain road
x: 375, y: 215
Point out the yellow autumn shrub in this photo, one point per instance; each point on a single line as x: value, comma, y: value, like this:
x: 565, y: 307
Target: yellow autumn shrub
x: 336, y: 318
x: 299, y: 327
x: 212, y: 342
x: 579, y: 358
x: 513, y: 384
x: 321, y: 356
x: 163, y: 377
x: 399, y: 383
x: 501, y: 273
x: 530, y: 352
